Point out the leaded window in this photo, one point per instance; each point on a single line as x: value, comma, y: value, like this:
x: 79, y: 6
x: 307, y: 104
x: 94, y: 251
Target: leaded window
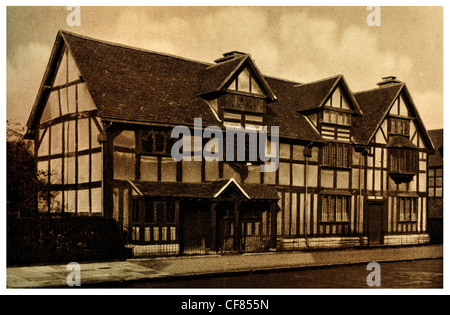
x: 337, y: 155
x: 403, y: 161
x: 156, y: 142
x: 335, y: 208
x: 407, y: 207
x: 399, y: 126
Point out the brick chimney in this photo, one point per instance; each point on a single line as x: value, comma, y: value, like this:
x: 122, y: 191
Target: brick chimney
x: 230, y: 55
x: 388, y: 81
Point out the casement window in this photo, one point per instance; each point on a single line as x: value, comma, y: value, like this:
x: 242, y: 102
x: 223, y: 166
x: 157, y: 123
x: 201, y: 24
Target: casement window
x: 336, y: 117
x: 435, y: 182
x: 239, y: 119
x: 403, y: 161
x: 337, y: 155
x: 154, y: 212
x: 399, y: 126
x: 159, y: 212
x: 156, y: 142
x: 335, y: 208
x: 154, y: 221
x: 407, y: 209
x: 336, y: 125
x: 242, y: 103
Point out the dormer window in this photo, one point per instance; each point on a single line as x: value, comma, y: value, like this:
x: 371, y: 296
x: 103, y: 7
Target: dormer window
x: 239, y: 119
x: 338, y: 118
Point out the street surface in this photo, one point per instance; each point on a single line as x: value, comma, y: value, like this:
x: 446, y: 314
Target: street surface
x: 407, y: 274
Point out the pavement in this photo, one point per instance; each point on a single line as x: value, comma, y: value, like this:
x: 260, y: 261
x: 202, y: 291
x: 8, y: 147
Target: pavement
x: 131, y: 271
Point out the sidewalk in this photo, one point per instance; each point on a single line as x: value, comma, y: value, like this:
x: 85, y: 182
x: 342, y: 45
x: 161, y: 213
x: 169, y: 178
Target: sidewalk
x: 113, y: 274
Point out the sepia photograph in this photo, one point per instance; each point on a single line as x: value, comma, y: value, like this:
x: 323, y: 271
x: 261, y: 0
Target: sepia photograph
x: 224, y: 147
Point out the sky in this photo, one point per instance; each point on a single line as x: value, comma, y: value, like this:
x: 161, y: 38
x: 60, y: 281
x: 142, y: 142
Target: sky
x: 299, y: 43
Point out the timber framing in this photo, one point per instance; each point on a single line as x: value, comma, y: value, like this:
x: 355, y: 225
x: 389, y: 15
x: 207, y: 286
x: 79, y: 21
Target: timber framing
x: 106, y: 149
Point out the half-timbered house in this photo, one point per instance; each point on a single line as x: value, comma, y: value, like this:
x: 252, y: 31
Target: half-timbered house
x: 352, y: 166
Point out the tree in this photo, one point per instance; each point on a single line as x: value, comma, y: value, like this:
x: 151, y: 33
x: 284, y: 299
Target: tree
x: 25, y: 184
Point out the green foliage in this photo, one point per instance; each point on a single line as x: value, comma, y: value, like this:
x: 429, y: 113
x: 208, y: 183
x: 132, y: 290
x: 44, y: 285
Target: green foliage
x: 24, y: 183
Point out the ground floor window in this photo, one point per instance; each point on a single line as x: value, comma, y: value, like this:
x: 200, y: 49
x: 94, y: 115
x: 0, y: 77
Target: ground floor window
x: 407, y: 209
x: 335, y: 208
x: 154, y: 221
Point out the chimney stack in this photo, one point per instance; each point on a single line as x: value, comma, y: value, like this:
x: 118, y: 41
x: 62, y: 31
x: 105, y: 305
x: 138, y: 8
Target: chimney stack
x: 389, y: 80
x: 230, y: 55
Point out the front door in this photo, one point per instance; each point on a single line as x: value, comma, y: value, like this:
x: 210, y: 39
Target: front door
x: 225, y: 227
x: 375, y: 222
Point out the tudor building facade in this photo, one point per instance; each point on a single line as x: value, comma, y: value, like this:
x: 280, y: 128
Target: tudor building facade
x: 352, y: 166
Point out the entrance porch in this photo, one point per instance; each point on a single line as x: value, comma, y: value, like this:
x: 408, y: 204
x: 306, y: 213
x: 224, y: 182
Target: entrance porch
x: 202, y: 218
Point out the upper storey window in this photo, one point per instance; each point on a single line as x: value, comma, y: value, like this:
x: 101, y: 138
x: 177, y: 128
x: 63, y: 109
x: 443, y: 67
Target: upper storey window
x: 399, y: 119
x: 245, y: 108
x: 399, y: 126
x: 337, y: 111
x: 245, y: 83
x: 239, y: 119
x: 336, y: 117
x: 333, y: 117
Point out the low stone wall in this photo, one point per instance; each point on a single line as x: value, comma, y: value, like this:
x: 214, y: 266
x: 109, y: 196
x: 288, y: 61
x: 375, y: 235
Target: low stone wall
x: 414, y: 239
x: 321, y: 242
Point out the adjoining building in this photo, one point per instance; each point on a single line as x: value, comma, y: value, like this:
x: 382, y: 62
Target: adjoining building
x: 352, y: 166
x: 435, y: 188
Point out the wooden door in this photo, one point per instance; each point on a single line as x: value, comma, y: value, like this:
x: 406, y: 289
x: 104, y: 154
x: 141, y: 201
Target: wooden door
x: 225, y: 227
x: 375, y: 222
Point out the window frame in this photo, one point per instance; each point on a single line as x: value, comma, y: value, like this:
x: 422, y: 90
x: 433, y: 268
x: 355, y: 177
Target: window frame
x: 154, y: 134
x: 244, y: 119
x: 412, y: 201
x: 149, y: 215
x: 396, y: 121
x: 329, y: 157
x: 337, y: 112
x: 333, y: 209
x: 432, y: 185
x: 410, y: 162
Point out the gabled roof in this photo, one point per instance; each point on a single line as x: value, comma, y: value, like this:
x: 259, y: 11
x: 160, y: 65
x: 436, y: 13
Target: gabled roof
x: 313, y: 95
x: 213, y: 78
x: 133, y: 85
x: 209, y: 190
x: 437, y: 159
x: 216, y: 77
x: 376, y: 104
x: 139, y: 86
x: 284, y: 112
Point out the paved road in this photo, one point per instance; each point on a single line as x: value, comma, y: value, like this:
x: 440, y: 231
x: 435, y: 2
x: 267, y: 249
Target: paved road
x: 406, y: 274
x: 122, y: 273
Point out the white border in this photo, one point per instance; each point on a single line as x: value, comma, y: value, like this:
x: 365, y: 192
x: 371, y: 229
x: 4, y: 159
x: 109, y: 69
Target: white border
x: 217, y: 291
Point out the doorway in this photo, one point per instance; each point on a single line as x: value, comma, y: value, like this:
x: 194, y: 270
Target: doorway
x: 375, y: 212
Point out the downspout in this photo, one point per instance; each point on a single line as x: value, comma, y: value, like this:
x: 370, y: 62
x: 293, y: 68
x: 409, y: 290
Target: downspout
x: 360, y: 192
x: 307, y: 153
x: 361, y: 199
